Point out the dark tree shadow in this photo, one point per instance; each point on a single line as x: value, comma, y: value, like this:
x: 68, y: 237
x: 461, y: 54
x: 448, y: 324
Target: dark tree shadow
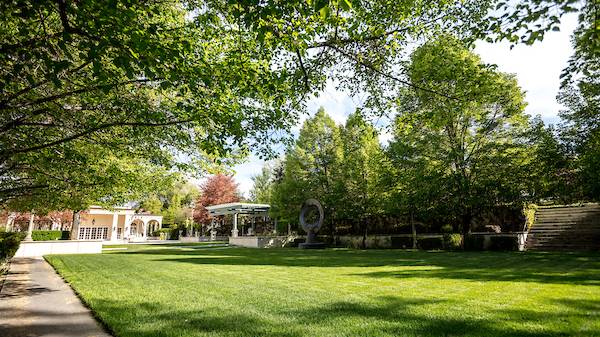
x: 545, y: 267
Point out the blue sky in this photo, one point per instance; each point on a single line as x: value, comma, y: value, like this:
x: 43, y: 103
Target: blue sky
x: 537, y: 68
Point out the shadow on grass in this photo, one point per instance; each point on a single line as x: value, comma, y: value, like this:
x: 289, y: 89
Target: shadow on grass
x: 386, y: 316
x: 559, y: 268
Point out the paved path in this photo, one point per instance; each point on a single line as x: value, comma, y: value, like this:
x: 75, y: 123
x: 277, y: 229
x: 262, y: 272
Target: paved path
x: 35, y: 301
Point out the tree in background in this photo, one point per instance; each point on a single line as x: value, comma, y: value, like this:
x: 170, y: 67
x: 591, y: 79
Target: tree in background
x: 474, y: 137
x: 582, y: 129
x: 309, y: 169
x: 360, y: 174
x: 262, y: 185
x: 217, y: 189
x: 152, y: 204
x: 552, y: 168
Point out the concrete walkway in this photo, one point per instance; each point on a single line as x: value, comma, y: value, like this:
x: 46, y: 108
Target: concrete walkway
x: 35, y: 301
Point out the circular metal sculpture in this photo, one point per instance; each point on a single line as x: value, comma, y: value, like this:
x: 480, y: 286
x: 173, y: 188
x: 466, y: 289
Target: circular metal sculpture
x: 311, y: 229
x: 306, y: 207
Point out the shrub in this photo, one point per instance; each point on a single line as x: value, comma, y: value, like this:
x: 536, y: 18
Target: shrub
x: 452, y: 241
x: 49, y: 235
x: 163, y: 233
x: 430, y: 243
x: 446, y: 229
x: 404, y: 242
x: 174, y: 234
x: 9, y: 243
x: 473, y: 242
x: 503, y: 243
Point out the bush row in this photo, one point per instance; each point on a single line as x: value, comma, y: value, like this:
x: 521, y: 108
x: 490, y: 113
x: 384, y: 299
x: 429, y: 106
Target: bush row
x: 455, y: 242
x: 49, y: 235
x: 447, y: 241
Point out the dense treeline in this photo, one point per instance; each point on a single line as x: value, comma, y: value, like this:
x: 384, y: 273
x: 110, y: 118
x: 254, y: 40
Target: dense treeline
x: 454, y: 161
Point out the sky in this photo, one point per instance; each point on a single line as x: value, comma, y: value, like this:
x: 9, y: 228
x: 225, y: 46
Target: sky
x: 537, y: 68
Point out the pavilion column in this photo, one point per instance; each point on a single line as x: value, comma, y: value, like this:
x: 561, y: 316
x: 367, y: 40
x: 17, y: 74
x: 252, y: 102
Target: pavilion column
x: 30, y: 227
x: 115, y: 225
x: 234, y: 232
x: 145, y: 229
x: 213, y: 231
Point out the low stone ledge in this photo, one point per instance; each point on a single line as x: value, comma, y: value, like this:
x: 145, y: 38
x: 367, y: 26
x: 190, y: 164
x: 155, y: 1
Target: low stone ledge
x: 41, y: 248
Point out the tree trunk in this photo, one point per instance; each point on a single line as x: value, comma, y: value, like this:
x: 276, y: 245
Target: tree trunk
x: 364, y: 240
x: 75, y: 226
x: 466, y: 222
x: 414, y: 230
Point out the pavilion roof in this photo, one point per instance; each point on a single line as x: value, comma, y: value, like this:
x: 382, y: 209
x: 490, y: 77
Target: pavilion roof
x: 237, y: 208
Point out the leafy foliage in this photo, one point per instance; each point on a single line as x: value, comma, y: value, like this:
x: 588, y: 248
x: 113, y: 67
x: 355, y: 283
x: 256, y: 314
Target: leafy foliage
x: 103, y: 100
x: 217, y: 189
x: 50, y: 235
x: 472, y: 145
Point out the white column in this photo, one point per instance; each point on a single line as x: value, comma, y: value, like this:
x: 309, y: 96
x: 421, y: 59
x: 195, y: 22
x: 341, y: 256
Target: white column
x: 126, y: 227
x: 115, y: 225
x: 30, y: 228
x: 10, y: 219
x: 144, y: 229
x: 75, y: 225
x: 234, y: 232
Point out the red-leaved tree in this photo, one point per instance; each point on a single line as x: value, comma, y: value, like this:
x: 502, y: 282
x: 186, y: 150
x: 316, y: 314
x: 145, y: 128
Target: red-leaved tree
x: 218, y: 189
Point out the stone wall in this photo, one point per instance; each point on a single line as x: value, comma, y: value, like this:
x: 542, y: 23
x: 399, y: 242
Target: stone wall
x: 41, y: 248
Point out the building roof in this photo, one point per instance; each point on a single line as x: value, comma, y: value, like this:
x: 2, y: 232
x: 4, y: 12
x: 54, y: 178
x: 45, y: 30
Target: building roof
x: 237, y: 208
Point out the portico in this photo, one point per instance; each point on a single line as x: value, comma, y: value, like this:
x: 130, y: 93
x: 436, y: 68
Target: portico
x: 118, y: 224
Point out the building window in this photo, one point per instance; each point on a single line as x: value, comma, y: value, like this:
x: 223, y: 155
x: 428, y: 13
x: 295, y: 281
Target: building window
x: 93, y: 233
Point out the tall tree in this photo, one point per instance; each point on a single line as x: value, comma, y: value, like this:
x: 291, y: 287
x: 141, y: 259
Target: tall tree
x: 262, y: 187
x: 476, y: 137
x: 361, y: 173
x: 217, y: 189
x: 310, y: 168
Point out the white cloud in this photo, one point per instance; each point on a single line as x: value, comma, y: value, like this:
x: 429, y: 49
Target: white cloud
x: 537, y: 67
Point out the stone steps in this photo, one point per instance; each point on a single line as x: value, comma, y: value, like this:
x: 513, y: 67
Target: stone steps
x: 565, y: 228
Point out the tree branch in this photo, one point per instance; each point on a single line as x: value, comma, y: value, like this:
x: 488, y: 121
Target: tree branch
x: 6, y: 153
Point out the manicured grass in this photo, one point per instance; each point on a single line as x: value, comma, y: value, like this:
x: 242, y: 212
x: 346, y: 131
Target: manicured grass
x: 289, y: 292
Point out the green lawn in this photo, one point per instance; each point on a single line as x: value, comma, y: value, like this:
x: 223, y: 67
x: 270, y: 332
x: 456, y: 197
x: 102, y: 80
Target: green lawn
x: 202, y: 291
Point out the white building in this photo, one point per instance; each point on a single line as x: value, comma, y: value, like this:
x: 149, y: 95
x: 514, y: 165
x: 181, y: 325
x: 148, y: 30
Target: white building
x: 118, y: 225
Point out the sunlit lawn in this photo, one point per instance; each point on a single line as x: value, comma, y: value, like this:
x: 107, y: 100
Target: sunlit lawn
x: 202, y: 291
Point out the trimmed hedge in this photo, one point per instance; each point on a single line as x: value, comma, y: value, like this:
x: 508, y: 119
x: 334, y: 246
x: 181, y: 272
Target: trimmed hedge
x: 49, y: 235
x: 9, y: 243
x: 430, y: 243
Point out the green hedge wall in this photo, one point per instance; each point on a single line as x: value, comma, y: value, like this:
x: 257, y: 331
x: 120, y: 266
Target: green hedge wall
x: 49, y: 235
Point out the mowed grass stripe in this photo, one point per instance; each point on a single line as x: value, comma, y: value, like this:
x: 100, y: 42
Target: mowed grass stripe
x: 173, y: 291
